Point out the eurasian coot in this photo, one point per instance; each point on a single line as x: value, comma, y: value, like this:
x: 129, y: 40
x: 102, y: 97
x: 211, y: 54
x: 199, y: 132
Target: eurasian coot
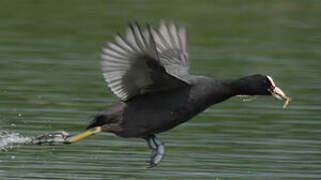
x: 148, y: 70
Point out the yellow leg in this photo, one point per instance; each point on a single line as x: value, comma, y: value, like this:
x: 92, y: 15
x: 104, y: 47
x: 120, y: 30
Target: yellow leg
x: 83, y: 135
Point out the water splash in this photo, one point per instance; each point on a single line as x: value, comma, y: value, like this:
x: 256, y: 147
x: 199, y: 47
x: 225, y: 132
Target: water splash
x: 9, y: 140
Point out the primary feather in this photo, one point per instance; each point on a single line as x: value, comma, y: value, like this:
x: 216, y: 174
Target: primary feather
x: 146, y: 60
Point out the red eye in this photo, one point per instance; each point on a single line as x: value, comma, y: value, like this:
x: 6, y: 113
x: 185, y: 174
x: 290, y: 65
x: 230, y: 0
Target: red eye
x: 265, y: 81
x: 269, y: 84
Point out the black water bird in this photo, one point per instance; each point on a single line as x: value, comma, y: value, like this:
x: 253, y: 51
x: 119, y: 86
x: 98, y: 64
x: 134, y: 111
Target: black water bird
x: 148, y: 70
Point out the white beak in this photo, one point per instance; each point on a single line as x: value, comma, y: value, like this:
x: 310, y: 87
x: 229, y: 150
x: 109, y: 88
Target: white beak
x: 278, y: 93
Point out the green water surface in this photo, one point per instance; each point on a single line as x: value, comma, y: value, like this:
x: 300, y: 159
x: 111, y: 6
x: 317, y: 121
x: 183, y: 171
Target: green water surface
x: 50, y: 79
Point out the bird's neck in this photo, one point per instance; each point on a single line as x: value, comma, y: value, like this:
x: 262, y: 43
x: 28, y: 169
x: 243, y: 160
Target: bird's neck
x: 220, y: 90
x: 249, y: 85
x: 207, y: 92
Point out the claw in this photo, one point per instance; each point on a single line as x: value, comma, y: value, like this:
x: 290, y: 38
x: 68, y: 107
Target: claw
x: 151, y: 165
x: 59, y: 137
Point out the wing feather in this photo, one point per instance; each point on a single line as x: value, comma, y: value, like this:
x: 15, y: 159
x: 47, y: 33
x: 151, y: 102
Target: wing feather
x: 146, y: 60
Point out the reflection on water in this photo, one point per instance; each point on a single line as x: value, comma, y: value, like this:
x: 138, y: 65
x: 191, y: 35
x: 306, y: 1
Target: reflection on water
x: 50, y: 80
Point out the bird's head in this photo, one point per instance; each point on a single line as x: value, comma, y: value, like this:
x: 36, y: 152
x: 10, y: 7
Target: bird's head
x: 260, y: 85
x: 276, y: 91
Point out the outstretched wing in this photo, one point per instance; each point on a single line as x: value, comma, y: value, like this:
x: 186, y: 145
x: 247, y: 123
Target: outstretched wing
x: 171, y: 45
x: 146, y: 61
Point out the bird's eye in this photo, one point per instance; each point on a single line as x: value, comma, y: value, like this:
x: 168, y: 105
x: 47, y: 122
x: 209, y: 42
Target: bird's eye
x: 270, y: 82
x: 266, y: 82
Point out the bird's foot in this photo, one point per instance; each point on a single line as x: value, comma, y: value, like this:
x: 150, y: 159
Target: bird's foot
x: 158, y: 150
x: 56, y: 138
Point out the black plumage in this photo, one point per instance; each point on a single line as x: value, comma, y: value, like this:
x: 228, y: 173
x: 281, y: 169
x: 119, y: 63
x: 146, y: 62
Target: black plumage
x: 148, y: 70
